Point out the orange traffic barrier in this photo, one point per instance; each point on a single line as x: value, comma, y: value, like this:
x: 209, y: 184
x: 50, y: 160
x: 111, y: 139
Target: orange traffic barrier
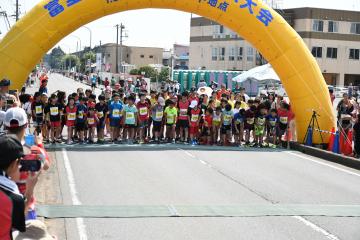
x: 331, y: 139
x: 347, y: 148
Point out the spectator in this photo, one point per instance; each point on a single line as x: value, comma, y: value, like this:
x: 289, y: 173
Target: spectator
x: 332, y: 95
x: 356, y: 130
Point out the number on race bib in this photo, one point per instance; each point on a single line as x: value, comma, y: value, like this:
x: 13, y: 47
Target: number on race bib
x: 159, y: 115
x: 71, y: 116
x: 143, y: 111
x: 54, y: 111
x: 130, y: 115
x: 194, y: 118
x: 284, y: 120
x: 91, y: 121
x: 116, y: 113
x: 38, y: 109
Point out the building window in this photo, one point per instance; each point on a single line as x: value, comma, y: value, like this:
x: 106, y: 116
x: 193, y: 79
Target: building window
x: 214, y: 54
x: 108, y: 55
x: 317, y: 52
x: 250, y: 54
x: 240, y: 54
x: 355, y: 28
x: 151, y: 56
x: 333, y: 27
x: 231, y: 54
x: 354, y: 54
x: 331, y: 53
x: 142, y: 56
x: 222, y: 54
x: 318, y: 25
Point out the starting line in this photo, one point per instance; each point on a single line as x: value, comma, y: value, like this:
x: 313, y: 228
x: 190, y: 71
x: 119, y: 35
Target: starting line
x: 146, y: 211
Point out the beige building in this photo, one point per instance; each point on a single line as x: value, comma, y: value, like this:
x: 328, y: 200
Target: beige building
x: 333, y: 36
x: 135, y: 57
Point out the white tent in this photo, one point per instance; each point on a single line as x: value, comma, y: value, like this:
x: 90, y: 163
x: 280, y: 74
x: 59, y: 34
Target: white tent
x: 262, y: 74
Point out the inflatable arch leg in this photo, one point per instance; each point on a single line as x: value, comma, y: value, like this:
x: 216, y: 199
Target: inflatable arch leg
x: 51, y: 20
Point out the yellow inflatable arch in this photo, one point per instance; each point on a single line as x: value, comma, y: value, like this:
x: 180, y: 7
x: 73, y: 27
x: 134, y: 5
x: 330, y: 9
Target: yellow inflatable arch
x: 51, y: 20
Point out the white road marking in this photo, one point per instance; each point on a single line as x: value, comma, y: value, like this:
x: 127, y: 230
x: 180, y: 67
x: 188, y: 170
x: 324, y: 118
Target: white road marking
x: 74, y: 196
x: 316, y: 228
x: 325, y: 164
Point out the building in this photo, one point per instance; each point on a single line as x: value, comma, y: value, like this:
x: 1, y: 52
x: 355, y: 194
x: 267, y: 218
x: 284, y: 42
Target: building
x: 333, y: 37
x: 132, y: 57
x: 178, y: 57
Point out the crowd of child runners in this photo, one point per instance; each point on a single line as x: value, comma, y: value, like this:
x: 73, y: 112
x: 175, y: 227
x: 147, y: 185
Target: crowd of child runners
x: 117, y: 116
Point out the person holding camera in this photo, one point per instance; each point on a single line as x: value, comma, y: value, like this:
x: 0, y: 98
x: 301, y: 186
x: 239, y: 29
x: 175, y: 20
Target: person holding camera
x: 13, y: 205
x: 8, y: 97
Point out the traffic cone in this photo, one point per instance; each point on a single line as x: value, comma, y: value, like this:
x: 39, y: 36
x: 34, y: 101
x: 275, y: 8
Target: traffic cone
x: 309, y: 139
x: 331, y: 140
x: 348, y: 144
x: 336, y: 145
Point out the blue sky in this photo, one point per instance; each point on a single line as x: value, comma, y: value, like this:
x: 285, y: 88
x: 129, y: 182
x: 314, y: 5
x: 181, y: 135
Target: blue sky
x: 161, y: 29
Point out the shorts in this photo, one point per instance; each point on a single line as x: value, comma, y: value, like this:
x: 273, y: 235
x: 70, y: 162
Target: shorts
x: 206, y: 131
x: 70, y: 123
x: 38, y: 122
x: 170, y: 124
x: 115, y: 122
x: 182, y: 123
x: 130, y: 126
x: 259, y: 130
x: 80, y: 126
x: 194, y: 130
x: 248, y: 127
x: 93, y: 85
x: 55, y: 124
x: 157, y: 126
x: 100, y: 125
x: 143, y: 124
x: 225, y: 129
x: 239, y: 126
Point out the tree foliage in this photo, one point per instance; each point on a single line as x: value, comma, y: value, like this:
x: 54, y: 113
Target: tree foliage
x: 150, y: 72
x: 164, y: 74
x: 70, y: 61
x: 55, y: 58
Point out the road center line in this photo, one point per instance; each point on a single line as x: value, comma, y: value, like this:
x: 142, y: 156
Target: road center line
x: 324, y: 164
x: 74, y: 198
x: 316, y: 228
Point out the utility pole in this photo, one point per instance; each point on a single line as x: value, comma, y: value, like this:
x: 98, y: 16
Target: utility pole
x: 117, y: 49
x: 121, y: 43
x: 17, y: 10
x: 120, y: 27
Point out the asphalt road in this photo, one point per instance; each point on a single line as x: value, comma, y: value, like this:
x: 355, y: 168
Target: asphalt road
x: 198, y: 178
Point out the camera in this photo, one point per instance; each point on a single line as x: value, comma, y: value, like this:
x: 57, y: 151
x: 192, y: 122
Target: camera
x: 30, y: 163
x: 13, y: 92
x: 9, y: 101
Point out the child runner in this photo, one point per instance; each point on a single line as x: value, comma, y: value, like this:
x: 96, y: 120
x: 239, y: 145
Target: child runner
x: 207, y: 126
x: 115, y: 112
x: 70, y: 114
x: 194, y: 119
x: 37, y: 108
x: 157, y: 117
x: 102, y: 111
x: 130, y: 119
x: 249, y: 121
x: 284, y: 118
x: 92, y: 121
x: 54, y: 111
x: 171, y: 119
x: 183, y: 121
x: 81, y: 113
x: 226, y: 122
x: 239, y: 126
x: 272, y: 127
x: 259, y: 126
x: 46, y: 125
x: 216, y: 124
x: 143, y: 116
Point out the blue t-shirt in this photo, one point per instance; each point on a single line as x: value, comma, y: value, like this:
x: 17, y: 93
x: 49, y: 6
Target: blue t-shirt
x: 227, y: 117
x: 81, y: 113
x: 93, y: 79
x: 272, y: 120
x: 115, y: 110
x: 238, y: 118
x: 131, y: 114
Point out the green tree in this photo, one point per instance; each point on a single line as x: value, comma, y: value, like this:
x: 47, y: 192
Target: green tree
x: 70, y: 61
x: 55, y: 58
x: 87, y: 57
x: 164, y: 74
x: 150, y: 72
x: 134, y: 72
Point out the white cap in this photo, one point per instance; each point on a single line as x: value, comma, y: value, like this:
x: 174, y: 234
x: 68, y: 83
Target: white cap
x: 161, y: 101
x: 193, y: 104
x: 15, y: 117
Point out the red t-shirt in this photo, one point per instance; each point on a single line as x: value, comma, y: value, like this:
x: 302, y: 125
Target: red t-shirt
x: 194, y: 117
x: 285, y: 116
x: 183, y: 110
x: 6, y: 208
x: 92, y: 120
x: 70, y: 115
x: 195, y: 98
x: 208, y: 121
x: 143, y: 109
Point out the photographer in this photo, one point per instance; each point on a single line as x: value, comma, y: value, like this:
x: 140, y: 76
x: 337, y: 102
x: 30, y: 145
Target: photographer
x: 10, y: 100
x: 13, y: 205
x: 35, y: 156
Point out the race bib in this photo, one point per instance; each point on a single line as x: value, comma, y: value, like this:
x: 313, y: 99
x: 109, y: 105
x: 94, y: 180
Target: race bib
x: 216, y: 119
x: 170, y: 118
x: 250, y: 121
x: 116, y: 113
x: 194, y: 118
x: 273, y: 123
x: 54, y: 111
x: 159, y: 115
x: 38, y: 109
x: 238, y: 121
x: 71, y: 116
x: 130, y: 115
x: 91, y: 121
x: 183, y: 112
x: 227, y: 118
x: 284, y: 120
x: 81, y: 115
x: 100, y: 114
x: 143, y: 111
x: 261, y: 121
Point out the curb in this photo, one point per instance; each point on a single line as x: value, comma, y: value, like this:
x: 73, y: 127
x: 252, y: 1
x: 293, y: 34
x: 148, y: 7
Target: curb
x: 326, y: 155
